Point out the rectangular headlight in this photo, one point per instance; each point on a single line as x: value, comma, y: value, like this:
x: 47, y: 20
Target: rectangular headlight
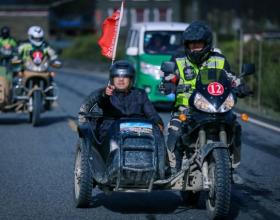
x: 150, y: 69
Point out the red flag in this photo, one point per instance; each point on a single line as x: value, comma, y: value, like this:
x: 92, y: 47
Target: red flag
x: 110, y: 31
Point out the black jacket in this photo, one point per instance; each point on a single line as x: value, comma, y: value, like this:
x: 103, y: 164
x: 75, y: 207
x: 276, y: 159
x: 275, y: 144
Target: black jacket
x: 135, y: 103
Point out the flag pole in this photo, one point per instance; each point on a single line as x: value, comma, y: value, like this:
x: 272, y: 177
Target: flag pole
x: 117, y: 36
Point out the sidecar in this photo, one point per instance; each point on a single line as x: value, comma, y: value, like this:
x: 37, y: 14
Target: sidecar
x: 131, y: 158
x: 5, y: 87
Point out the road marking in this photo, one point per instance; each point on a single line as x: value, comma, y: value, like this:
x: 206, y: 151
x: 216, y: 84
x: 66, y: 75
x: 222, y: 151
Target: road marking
x: 73, y: 125
x: 262, y: 124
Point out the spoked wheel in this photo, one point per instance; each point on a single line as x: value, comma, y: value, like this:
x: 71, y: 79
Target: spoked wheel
x: 83, y: 181
x: 190, y: 198
x: 219, y: 195
x: 37, y: 106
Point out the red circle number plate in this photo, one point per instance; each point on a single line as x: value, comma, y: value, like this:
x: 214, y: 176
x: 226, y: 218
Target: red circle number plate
x: 215, y: 89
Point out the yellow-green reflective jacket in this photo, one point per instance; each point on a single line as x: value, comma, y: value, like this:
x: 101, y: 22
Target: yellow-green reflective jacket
x: 182, y: 99
x: 25, y: 48
x: 8, y: 41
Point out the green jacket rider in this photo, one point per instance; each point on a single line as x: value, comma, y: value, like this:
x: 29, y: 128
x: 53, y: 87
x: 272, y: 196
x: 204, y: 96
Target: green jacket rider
x: 7, y: 44
x: 36, y: 41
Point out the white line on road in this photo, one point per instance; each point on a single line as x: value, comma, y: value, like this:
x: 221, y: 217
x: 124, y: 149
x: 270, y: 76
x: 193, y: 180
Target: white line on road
x: 262, y: 124
x: 73, y: 125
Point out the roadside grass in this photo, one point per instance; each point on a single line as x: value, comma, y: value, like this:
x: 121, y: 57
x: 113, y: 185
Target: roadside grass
x: 86, y: 48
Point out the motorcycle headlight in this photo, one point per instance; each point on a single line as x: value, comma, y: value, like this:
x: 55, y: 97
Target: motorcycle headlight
x: 202, y: 104
x: 152, y: 70
x: 227, y: 105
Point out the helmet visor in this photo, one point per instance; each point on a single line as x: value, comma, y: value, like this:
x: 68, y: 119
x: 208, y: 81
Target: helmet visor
x: 37, y: 39
x: 121, y: 73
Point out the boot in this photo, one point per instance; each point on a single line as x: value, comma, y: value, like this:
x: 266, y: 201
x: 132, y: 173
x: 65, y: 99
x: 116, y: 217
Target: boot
x: 174, y: 132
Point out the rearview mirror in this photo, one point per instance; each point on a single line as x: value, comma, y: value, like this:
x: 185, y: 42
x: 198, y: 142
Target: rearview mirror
x: 56, y: 64
x: 16, y: 61
x: 168, y: 67
x: 247, y: 69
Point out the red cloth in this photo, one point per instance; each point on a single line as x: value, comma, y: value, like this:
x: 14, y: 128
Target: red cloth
x: 109, y: 34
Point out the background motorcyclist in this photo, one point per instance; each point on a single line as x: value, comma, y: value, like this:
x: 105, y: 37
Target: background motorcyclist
x: 36, y: 41
x: 120, y: 99
x: 199, y: 55
x: 7, y: 45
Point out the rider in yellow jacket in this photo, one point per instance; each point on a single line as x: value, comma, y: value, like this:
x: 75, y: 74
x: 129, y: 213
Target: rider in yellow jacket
x: 7, y: 45
x: 199, y: 55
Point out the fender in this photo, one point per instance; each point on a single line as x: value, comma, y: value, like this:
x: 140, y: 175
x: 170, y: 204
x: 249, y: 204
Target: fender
x: 96, y: 162
x: 84, y: 130
x: 206, y: 150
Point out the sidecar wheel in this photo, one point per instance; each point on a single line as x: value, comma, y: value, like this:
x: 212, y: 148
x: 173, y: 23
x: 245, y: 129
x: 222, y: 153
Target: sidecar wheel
x: 219, y: 195
x: 30, y: 117
x: 83, y: 181
x: 190, y: 198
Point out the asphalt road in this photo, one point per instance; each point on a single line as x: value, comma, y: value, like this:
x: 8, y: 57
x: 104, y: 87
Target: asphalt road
x: 36, y: 169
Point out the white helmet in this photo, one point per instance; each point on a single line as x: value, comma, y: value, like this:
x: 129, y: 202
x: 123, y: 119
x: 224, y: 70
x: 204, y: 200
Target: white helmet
x: 36, y: 35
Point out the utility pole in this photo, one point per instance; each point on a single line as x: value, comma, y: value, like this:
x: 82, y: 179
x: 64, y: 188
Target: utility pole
x: 240, y: 49
x: 195, y: 10
x: 260, y: 74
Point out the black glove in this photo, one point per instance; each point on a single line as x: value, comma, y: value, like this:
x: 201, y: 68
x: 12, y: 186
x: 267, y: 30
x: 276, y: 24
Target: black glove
x: 183, y: 88
x: 243, y: 90
x: 167, y: 88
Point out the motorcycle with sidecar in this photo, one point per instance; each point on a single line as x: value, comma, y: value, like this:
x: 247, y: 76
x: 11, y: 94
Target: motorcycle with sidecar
x: 32, y: 90
x: 132, y: 158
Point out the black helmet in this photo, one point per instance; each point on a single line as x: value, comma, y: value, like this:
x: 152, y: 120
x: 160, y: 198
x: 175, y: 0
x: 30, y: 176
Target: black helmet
x: 5, y: 32
x: 197, y: 31
x: 122, y: 68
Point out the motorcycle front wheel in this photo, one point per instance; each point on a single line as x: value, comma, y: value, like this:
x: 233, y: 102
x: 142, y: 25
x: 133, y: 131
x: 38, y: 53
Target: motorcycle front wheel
x: 36, y: 107
x: 219, y: 172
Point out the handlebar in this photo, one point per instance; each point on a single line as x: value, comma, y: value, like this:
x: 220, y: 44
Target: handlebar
x: 91, y: 115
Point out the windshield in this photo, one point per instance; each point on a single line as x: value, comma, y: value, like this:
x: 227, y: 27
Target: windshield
x: 163, y: 42
x: 213, y: 82
x: 210, y: 75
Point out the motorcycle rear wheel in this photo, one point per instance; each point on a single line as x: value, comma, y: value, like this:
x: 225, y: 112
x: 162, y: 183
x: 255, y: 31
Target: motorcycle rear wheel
x: 219, y: 172
x: 83, y: 181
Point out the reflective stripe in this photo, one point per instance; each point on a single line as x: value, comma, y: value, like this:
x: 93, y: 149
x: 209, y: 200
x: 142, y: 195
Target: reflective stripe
x: 214, y: 62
